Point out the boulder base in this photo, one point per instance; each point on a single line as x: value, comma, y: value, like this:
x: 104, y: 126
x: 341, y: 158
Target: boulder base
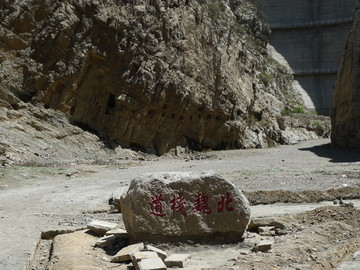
x: 179, y: 206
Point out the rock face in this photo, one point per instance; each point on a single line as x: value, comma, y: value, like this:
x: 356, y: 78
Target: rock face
x: 180, y: 206
x: 345, y: 116
x: 150, y: 75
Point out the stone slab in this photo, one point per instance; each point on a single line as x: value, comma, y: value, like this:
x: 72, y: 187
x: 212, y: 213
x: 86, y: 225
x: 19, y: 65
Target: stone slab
x: 125, y: 254
x: 118, y: 233
x: 142, y: 255
x: 138, y: 256
x: 151, y: 264
x: 161, y: 253
x: 179, y: 260
x: 101, y: 227
x: 105, y: 241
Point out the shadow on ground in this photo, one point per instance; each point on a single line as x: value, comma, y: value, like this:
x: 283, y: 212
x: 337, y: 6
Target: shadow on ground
x: 335, y: 155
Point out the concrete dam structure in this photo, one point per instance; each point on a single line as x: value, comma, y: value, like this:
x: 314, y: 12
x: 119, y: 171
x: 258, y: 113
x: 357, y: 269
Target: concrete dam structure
x: 311, y: 36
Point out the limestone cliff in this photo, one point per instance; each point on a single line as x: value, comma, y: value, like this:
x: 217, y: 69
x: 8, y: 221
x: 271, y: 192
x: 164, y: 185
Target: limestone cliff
x: 149, y: 74
x: 345, y: 116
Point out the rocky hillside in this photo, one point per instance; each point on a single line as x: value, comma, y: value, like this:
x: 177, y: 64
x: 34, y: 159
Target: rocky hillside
x: 149, y: 75
x: 345, y: 116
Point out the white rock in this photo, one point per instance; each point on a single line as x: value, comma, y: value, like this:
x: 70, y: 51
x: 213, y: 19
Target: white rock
x: 118, y: 233
x: 151, y: 264
x: 105, y: 241
x: 179, y: 260
x: 137, y: 257
x: 161, y: 253
x: 263, y: 246
x: 101, y: 227
x: 125, y: 254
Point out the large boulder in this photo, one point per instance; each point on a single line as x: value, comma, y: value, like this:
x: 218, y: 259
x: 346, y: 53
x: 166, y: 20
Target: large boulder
x: 179, y: 206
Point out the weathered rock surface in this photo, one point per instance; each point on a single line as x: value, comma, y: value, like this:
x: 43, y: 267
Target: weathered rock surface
x: 345, y: 115
x: 150, y: 75
x: 179, y: 206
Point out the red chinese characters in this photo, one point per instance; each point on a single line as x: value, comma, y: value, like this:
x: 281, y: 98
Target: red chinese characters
x: 178, y: 204
x: 224, y: 203
x: 201, y: 204
x: 156, y: 208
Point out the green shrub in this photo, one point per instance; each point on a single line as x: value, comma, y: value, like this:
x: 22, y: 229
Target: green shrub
x: 299, y: 109
x: 267, y: 78
x: 285, y: 112
x: 252, y: 119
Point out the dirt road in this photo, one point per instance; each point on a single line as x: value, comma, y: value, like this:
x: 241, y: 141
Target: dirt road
x: 35, y: 199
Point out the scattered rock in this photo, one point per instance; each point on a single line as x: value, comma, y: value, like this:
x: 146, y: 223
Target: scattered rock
x: 267, y: 231
x: 101, y: 227
x: 151, y: 264
x: 138, y: 256
x: 105, y: 241
x: 178, y: 206
x: 263, y: 246
x: 245, y: 252
x: 347, y: 205
x: 125, y: 254
x: 118, y: 234
x: 161, y: 253
x: 179, y: 260
x: 256, y: 223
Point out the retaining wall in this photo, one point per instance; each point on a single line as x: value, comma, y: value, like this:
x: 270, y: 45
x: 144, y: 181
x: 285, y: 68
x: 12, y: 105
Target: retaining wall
x: 311, y: 35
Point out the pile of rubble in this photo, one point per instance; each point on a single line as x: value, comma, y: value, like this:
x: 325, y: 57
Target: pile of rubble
x: 141, y: 255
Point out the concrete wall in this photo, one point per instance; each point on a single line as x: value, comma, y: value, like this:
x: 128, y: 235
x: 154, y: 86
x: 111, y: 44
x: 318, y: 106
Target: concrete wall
x: 320, y: 89
x: 308, y: 49
x: 295, y: 11
x: 311, y: 35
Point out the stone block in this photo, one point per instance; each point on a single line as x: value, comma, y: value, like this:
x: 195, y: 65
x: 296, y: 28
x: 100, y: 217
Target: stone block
x: 179, y: 260
x: 125, y: 254
x: 267, y: 231
x: 101, y: 227
x: 142, y: 255
x: 184, y: 205
x: 263, y: 246
x: 105, y: 241
x: 151, y: 264
x: 138, y: 256
x: 118, y: 233
x: 161, y: 253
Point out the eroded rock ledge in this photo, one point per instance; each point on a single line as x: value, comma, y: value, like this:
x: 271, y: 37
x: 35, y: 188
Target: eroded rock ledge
x: 150, y: 75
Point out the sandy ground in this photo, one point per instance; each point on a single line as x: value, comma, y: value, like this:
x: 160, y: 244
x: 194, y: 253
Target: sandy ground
x: 36, y: 199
